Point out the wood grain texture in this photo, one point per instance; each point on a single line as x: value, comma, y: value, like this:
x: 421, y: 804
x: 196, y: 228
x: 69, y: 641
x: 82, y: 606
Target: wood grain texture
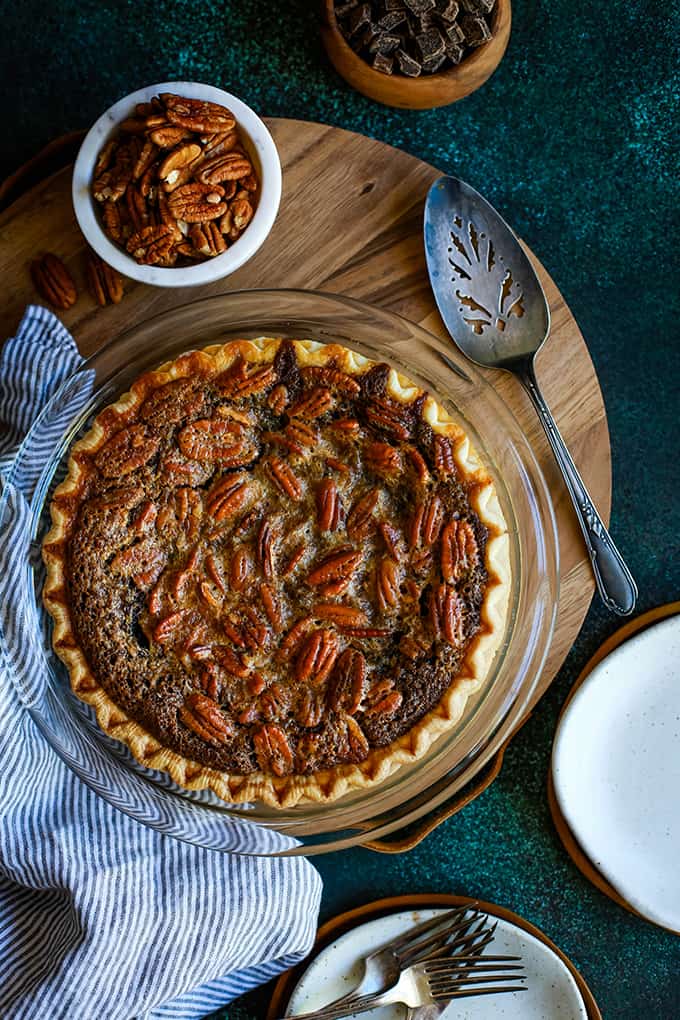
x: 350, y: 222
x: 429, y: 90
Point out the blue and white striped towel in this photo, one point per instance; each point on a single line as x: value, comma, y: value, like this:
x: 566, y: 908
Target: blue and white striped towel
x: 101, y: 917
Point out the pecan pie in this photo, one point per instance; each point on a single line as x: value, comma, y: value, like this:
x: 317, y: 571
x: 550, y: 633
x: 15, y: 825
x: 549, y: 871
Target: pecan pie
x: 277, y: 570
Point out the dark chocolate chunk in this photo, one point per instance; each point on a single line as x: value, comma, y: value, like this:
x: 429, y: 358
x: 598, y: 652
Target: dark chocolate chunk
x: 392, y: 19
x: 359, y: 17
x: 407, y: 65
x: 362, y: 39
x: 383, y: 63
x: 475, y: 30
x: 385, y: 43
x: 478, y: 6
x: 455, y: 34
x: 454, y: 51
x: 448, y: 9
x: 430, y: 45
x: 420, y: 6
x: 369, y: 35
x: 342, y: 10
x: 425, y: 23
x: 414, y: 37
x: 434, y: 63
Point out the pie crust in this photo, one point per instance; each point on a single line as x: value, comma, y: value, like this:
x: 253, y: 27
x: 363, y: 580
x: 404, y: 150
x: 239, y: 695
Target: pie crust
x: 279, y: 791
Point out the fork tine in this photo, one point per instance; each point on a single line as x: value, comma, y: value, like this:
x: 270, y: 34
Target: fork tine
x: 439, y: 987
x: 467, y: 942
x: 434, y: 964
x: 486, y: 958
x: 482, y: 930
x: 477, y: 968
x: 472, y: 939
x: 446, y: 997
x: 476, y: 939
x: 481, y: 921
x: 337, y: 1010
x: 438, y: 942
x: 421, y: 929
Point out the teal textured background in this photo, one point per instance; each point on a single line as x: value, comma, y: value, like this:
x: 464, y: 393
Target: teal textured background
x: 572, y: 139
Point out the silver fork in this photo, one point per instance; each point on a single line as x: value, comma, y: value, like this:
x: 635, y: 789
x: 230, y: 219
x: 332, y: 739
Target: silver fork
x: 383, y: 967
x: 432, y: 981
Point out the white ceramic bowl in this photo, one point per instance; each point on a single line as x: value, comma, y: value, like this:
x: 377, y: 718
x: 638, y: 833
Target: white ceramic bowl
x: 261, y: 148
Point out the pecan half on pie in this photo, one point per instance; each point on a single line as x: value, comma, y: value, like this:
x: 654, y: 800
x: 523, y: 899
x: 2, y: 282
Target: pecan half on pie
x: 277, y: 570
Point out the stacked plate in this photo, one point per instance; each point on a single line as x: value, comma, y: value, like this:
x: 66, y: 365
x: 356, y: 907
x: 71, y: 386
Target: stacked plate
x: 552, y: 990
x: 616, y: 773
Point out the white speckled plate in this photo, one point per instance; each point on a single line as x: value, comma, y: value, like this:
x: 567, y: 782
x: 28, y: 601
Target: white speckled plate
x: 551, y: 993
x: 616, y: 770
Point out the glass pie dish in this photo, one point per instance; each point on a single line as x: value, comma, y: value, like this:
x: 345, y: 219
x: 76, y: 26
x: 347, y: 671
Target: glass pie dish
x: 491, y: 714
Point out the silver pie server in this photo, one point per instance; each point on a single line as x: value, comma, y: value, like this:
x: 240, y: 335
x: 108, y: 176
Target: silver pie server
x: 494, y: 308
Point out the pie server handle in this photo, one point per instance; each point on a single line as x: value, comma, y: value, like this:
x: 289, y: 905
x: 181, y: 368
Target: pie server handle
x: 614, y: 580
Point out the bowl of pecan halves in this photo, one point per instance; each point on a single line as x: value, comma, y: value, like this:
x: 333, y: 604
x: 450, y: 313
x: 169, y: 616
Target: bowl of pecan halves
x: 177, y: 184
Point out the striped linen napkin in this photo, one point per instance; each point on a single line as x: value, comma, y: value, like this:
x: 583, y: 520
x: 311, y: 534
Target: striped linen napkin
x: 100, y: 916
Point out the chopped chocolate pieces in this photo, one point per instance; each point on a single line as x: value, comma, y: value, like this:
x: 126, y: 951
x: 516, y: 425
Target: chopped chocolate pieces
x: 420, y: 6
x: 366, y: 38
x: 407, y: 65
x: 478, y: 6
x: 448, y: 9
x: 455, y: 34
x: 383, y: 63
x: 358, y: 17
x: 384, y: 43
x: 424, y: 22
x: 414, y: 37
x: 429, y: 46
x: 392, y: 19
x: 342, y: 10
x: 454, y: 51
x: 475, y: 30
x: 433, y: 64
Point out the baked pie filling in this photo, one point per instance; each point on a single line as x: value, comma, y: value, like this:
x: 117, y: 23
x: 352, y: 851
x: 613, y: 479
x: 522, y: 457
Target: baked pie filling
x: 277, y: 570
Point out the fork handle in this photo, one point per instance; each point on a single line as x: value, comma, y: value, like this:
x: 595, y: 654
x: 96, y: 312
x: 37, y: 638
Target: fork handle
x: 614, y: 580
x: 337, y: 1010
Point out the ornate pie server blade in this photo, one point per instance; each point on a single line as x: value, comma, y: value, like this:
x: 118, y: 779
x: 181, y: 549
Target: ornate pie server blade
x: 493, y: 305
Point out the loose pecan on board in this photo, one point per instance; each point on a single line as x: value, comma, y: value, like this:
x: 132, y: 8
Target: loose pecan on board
x: 53, y: 281
x: 106, y: 285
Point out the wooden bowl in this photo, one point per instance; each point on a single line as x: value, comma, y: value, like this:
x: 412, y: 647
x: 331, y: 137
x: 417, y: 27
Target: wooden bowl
x: 430, y: 90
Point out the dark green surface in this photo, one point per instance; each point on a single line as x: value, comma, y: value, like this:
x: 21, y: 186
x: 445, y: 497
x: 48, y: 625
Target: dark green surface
x: 571, y: 139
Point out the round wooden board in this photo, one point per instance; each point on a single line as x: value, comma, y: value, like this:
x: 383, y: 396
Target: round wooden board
x: 337, y: 926
x: 571, y: 844
x: 350, y: 222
